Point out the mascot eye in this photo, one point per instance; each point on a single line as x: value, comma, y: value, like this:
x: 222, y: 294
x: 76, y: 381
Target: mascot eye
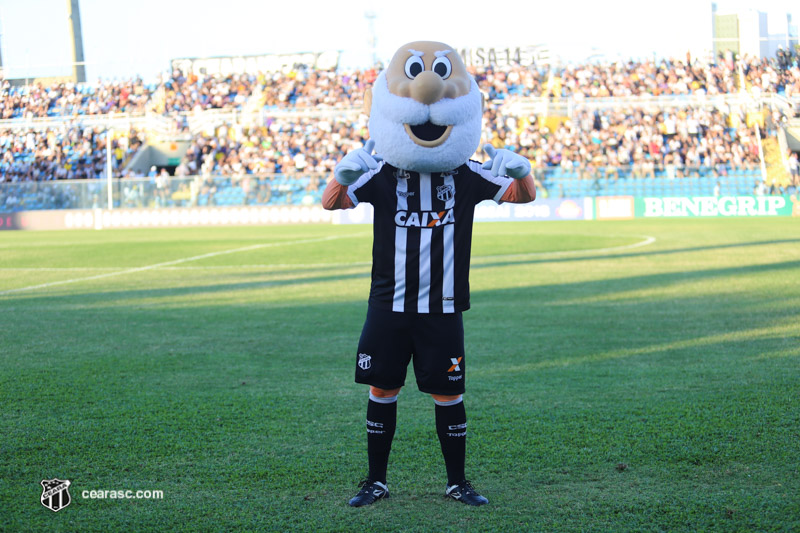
x: 442, y: 67
x: 414, y: 66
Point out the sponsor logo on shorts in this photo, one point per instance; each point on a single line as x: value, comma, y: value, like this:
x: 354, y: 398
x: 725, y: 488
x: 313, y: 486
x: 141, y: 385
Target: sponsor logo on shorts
x: 456, y: 378
x: 456, y: 364
x: 364, y: 361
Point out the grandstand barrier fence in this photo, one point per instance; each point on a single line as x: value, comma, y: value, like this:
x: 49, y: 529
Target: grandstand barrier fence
x: 305, y: 189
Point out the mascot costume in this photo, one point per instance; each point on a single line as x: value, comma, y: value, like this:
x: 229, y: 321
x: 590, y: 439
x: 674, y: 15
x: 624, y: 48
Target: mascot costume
x: 425, y: 113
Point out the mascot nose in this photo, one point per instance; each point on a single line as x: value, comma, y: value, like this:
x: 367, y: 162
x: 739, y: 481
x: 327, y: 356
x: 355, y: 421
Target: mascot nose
x: 427, y: 87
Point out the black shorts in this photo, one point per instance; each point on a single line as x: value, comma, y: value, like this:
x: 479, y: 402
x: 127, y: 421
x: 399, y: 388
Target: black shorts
x: 390, y: 340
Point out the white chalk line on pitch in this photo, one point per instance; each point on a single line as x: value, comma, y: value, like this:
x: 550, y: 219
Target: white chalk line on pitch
x: 167, y: 266
x: 648, y: 240
x: 173, y: 262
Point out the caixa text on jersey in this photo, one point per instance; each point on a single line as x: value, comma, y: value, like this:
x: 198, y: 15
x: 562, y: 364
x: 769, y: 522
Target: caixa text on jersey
x: 423, y: 219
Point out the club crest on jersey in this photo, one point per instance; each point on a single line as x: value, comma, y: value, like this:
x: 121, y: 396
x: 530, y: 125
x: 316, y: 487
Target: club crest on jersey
x: 423, y: 219
x: 445, y: 192
x: 402, y: 174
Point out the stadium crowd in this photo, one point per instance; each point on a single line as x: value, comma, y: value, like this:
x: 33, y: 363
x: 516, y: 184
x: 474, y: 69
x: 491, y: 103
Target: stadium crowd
x: 644, y: 140
x: 310, y: 88
x: 70, y: 99
x: 679, y: 141
x: 62, y: 153
x: 642, y: 78
x: 300, y: 89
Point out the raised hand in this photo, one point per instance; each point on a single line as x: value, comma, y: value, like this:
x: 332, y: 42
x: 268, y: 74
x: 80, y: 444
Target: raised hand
x: 356, y: 163
x: 504, y: 162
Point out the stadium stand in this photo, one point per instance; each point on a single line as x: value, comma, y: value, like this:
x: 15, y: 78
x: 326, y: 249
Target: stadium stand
x: 628, y: 127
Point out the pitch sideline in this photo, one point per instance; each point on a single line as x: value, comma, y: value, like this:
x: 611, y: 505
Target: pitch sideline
x: 648, y: 240
x: 170, y: 263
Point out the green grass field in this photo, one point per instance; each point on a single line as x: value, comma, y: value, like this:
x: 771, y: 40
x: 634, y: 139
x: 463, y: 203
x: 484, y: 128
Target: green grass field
x: 615, y: 383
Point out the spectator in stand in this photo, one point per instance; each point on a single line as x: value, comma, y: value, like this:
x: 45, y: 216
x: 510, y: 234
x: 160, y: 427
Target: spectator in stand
x: 63, y: 153
x: 794, y: 170
x: 69, y: 99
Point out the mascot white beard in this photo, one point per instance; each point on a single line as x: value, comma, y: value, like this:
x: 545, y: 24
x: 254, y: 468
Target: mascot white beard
x: 390, y: 112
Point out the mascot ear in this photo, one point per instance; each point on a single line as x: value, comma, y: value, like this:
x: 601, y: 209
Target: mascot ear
x: 367, y: 101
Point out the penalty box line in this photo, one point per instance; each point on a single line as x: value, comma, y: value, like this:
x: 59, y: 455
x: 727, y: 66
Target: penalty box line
x: 171, y: 263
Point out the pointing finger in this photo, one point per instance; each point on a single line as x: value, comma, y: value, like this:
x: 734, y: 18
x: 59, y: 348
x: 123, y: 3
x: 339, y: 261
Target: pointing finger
x: 370, y: 144
x: 489, y: 149
x: 496, y: 164
x: 367, y: 161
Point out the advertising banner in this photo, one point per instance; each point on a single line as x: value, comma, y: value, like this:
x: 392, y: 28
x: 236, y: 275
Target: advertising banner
x: 172, y: 217
x: 489, y: 211
x: 712, y: 206
x: 614, y: 207
x: 600, y: 208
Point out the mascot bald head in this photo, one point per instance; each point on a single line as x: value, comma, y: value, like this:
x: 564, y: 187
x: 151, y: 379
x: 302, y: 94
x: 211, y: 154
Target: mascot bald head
x: 425, y: 109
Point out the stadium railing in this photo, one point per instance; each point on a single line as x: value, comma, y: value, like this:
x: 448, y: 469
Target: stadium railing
x: 115, y: 121
x: 306, y: 188
x: 190, y: 191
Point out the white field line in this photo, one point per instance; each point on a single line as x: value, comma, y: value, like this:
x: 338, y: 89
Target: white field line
x: 170, y: 263
x: 168, y: 266
x: 648, y: 240
x: 58, y: 269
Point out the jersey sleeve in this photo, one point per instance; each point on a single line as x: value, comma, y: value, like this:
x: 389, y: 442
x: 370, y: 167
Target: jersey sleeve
x: 335, y: 196
x: 488, y: 187
x: 363, y: 190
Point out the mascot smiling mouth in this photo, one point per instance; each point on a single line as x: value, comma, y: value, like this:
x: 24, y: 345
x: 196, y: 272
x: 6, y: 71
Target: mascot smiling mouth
x: 428, y: 134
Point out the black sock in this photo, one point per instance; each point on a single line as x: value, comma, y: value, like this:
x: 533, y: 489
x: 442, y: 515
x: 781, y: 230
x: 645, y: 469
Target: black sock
x: 381, y: 421
x: 451, y: 425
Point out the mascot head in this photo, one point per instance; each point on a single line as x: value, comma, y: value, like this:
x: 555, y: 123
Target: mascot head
x: 425, y: 109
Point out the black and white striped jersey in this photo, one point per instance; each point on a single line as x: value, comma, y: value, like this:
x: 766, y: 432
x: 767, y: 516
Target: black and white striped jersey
x: 422, y: 234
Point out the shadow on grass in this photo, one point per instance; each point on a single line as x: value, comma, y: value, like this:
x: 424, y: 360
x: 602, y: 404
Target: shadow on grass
x: 487, y: 263
x: 547, y: 309
x: 234, y: 397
